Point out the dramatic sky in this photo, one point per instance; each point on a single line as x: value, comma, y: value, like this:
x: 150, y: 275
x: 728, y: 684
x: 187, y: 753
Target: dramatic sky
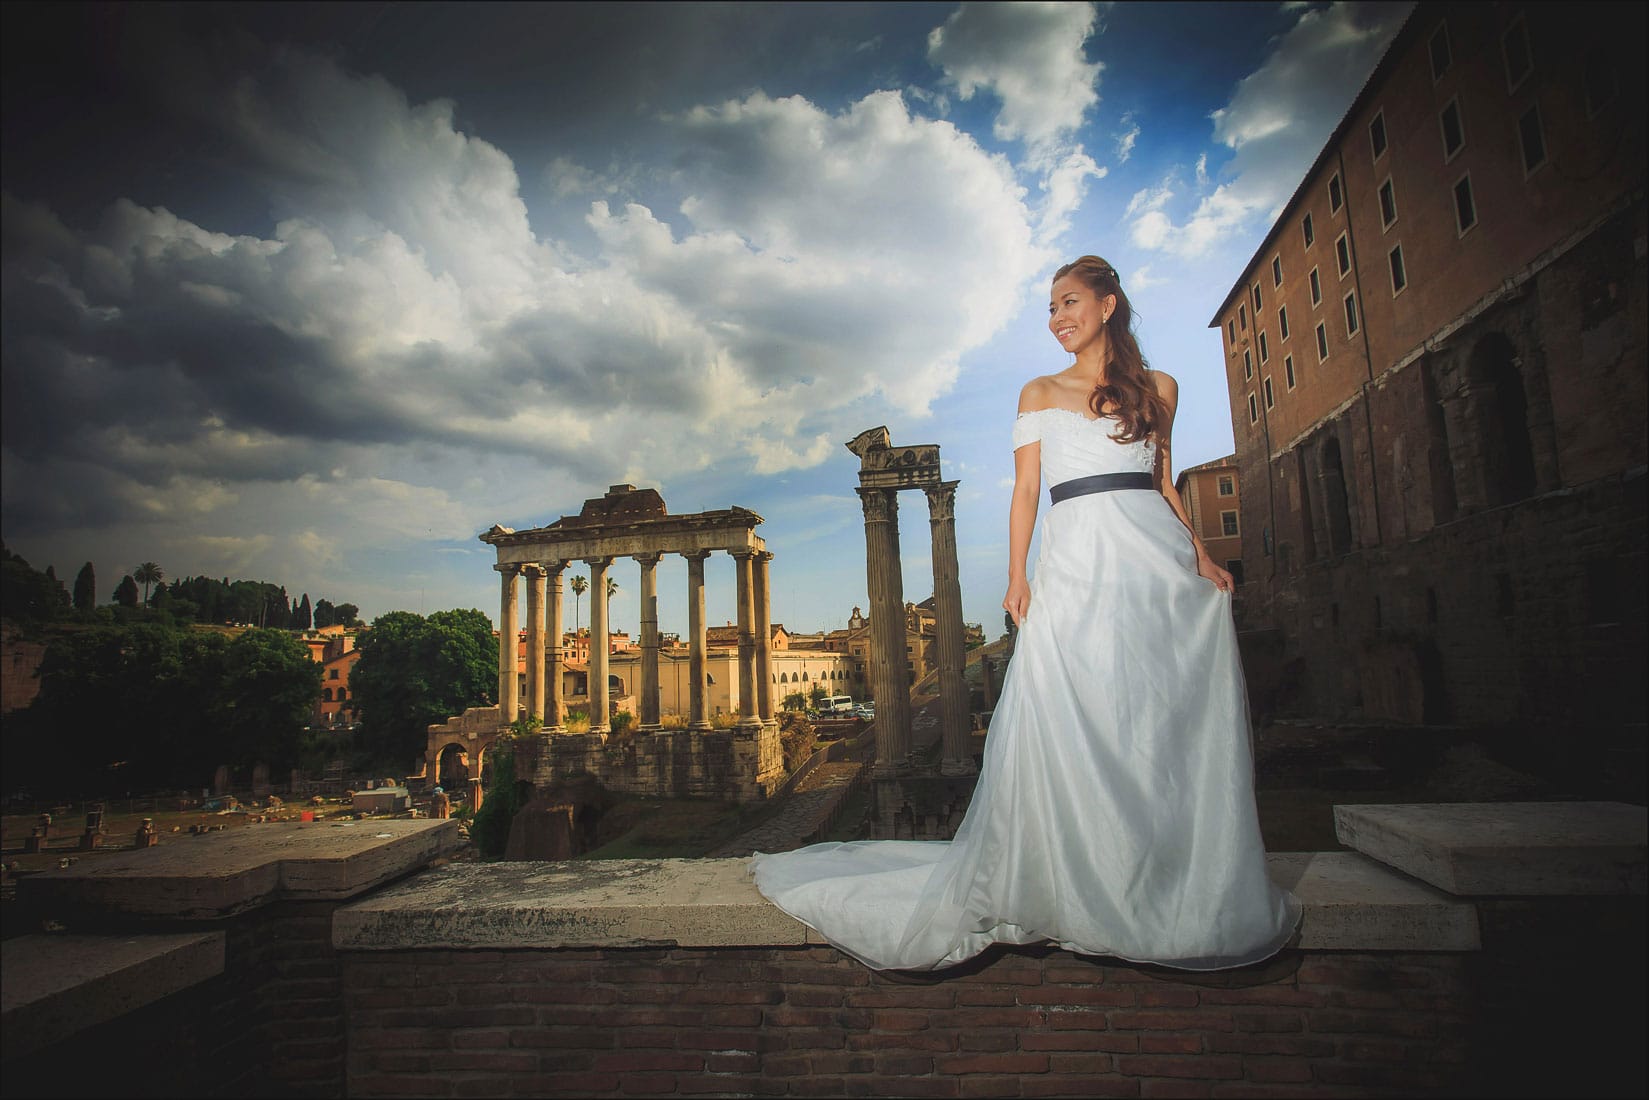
x: 315, y: 293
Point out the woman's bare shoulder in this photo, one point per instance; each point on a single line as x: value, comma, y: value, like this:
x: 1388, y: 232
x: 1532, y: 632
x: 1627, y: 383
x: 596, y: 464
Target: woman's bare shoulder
x: 1039, y: 393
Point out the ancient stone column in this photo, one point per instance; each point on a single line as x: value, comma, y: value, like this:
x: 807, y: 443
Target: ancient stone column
x: 649, y: 640
x: 889, y: 682
x: 555, y: 707
x: 535, y: 640
x: 747, y: 639
x: 599, y: 642
x: 763, y: 592
x: 947, y: 613
x: 696, y: 718
x: 508, y: 641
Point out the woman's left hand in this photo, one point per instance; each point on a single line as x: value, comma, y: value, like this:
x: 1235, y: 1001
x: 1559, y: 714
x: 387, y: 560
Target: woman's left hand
x: 1222, y: 579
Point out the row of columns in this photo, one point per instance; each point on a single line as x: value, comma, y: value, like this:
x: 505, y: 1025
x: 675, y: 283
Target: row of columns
x: 889, y: 677
x: 545, y: 653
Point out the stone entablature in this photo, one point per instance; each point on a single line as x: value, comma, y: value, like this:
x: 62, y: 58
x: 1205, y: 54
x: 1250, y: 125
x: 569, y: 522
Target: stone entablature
x: 634, y: 523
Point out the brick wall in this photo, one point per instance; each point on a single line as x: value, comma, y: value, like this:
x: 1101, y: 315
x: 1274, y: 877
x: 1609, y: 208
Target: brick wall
x: 271, y: 1024
x: 811, y: 1022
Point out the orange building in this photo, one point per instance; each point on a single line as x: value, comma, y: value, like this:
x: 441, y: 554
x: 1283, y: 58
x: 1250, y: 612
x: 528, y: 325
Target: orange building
x: 333, y: 648
x: 1214, y: 505
x: 1437, y: 369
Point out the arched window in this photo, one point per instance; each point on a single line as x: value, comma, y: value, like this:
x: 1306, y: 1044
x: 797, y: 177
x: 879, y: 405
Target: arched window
x: 326, y: 695
x: 1335, y: 504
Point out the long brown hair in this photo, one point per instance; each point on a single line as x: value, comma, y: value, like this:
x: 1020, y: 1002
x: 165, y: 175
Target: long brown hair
x: 1127, y: 386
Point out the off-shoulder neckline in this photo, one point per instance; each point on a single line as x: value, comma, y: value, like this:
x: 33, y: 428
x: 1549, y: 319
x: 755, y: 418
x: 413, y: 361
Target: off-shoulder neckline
x: 1068, y: 412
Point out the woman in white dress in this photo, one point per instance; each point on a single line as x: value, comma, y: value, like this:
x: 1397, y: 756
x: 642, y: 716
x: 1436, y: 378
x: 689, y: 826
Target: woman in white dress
x: 1114, y: 814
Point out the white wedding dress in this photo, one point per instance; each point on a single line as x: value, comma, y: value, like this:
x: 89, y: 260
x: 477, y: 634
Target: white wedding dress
x: 1115, y: 811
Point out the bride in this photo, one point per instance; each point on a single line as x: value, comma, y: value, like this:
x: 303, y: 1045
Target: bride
x: 1114, y: 814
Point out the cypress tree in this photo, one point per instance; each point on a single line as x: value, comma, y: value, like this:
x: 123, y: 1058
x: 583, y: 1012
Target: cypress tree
x: 85, y: 588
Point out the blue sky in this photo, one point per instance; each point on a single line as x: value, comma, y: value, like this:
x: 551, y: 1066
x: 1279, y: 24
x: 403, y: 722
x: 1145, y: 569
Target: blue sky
x: 317, y: 293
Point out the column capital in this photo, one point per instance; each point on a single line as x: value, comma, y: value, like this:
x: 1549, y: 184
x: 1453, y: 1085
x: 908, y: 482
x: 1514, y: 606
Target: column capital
x: 534, y: 569
x: 741, y: 554
x: 880, y: 505
x: 509, y: 568
x: 597, y: 563
x: 649, y: 557
x: 941, y: 500
x: 695, y: 555
x: 764, y: 555
x: 554, y: 568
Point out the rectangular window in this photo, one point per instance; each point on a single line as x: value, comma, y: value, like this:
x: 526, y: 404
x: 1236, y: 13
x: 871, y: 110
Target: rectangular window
x: 1231, y: 331
x: 1242, y: 318
x: 1228, y: 485
x: 1253, y: 410
x: 1454, y: 129
x: 1316, y: 289
x: 1307, y: 232
x: 1276, y: 271
x: 1322, y: 341
x: 1336, y: 197
x: 1465, y: 205
x: 1228, y: 524
x: 1265, y: 351
x: 1399, y: 277
x: 1441, y: 55
x: 1532, y: 138
x: 1282, y: 321
x: 1288, y: 370
x: 1247, y: 364
x: 1270, y: 397
x: 1377, y: 134
x: 1519, y: 55
x: 1388, y: 204
x: 1351, y: 314
x: 1342, y: 255
x: 1257, y: 304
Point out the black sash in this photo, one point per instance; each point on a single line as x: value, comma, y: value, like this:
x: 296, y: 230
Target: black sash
x: 1100, y: 483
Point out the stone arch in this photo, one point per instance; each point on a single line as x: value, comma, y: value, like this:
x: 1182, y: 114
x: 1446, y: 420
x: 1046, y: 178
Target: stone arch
x: 1336, y: 503
x: 1507, y: 447
x: 452, y: 767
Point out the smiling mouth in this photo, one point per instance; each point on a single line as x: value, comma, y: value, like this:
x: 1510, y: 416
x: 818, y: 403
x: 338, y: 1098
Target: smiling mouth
x: 1064, y: 332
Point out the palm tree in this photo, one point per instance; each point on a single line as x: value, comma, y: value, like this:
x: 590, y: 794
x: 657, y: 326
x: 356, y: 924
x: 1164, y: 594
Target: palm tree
x: 579, y: 586
x: 612, y: 586
x: 146, y: 574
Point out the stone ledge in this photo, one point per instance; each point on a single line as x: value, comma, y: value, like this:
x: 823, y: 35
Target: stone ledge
x: 56, y: 986
x: 221, y: 874
x: 1351, y: 903
x: 1506, y: 849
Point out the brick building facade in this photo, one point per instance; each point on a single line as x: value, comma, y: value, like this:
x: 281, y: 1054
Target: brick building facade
x: 1436, y: 363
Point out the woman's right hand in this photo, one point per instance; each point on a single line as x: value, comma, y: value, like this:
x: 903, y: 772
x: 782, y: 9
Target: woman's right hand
x: 1018, y: 600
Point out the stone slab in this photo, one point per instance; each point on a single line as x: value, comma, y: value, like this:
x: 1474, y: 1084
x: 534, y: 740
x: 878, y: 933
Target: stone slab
x: 1506, y: 848
x: 578, y: 903
x: 219, y: 874
x: 1351, y: 903
x: 52, y: 987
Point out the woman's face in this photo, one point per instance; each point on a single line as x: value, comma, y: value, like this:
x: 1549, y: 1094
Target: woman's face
x: 1076, y: 315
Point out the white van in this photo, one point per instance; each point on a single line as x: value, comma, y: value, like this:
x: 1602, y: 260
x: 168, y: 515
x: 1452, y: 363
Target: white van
x: 835, y: 704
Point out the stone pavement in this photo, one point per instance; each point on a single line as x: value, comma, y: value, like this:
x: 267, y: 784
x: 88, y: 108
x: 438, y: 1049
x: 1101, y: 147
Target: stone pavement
x: 807, y: 812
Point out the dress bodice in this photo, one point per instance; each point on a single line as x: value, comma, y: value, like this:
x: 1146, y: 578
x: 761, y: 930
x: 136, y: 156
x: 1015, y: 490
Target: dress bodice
x: 1076, y: 446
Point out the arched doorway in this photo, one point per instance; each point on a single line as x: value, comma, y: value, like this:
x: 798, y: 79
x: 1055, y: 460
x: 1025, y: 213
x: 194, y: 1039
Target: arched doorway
x: 452, y: 771
x: 1503, y: 418
x: 1336, y: 505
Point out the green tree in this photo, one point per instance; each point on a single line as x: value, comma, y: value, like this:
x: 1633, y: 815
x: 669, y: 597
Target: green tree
x: 26, y: 594
x: 302, y: 617
x: 146, y: 574
x: 504, y: 799
x: 415, y: 671
x: 325, y: 614
x: 266, y: 691
x: 85, y: 589
x: 347, y: 614
x: 126, y: 592
x: 580, y: 585
x: 612, y: 587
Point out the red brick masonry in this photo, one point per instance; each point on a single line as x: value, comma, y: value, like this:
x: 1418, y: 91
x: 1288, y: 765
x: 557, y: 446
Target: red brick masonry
x: 812, y: 1022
